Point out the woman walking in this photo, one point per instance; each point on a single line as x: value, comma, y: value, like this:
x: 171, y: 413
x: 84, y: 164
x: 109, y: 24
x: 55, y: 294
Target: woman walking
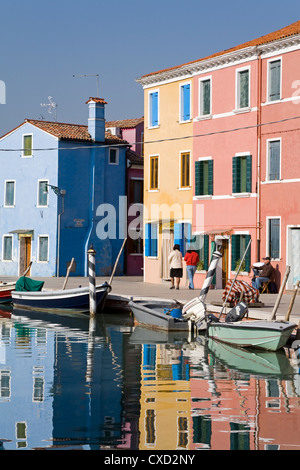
x: 175, y: 261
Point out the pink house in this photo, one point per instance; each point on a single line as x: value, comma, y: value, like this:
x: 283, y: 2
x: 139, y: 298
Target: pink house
x: 234, y: 116
x: 132, y: 130
x: 246, y: 141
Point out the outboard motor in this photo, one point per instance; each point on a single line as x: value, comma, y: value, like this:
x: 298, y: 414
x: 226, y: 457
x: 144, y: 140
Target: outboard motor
x: 237, y: 313
x: 195, y: 310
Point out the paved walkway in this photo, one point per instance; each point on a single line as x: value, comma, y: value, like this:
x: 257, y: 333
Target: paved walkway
x: 134, y: 286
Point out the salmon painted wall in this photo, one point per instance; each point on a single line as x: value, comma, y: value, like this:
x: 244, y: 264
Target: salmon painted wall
x: 280, y: 198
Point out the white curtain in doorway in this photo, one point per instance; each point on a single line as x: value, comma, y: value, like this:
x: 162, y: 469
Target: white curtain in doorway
x: 167, y: 243
x: 295, y: 254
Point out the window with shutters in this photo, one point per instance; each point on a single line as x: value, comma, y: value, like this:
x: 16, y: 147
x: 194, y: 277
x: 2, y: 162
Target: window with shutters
x: 151, y: 236
x: 273, y: 159
x: 273, y: 234
x: 204, y: 177
x: 205, y: 96
x: 239, y: 243
x: 154, y: 172
x: 153, y: 109
x: 274, y: 80
x: 243, y: 89
x: 185, y: 170
x: 185, y: 102
x: 242, y: 174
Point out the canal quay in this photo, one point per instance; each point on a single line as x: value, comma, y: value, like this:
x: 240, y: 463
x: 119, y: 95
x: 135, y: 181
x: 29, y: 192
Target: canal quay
x: 127, y: 287
x: 69, y: 383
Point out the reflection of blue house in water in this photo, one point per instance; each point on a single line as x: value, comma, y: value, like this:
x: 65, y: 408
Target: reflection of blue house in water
x: 93, y: 408
x: 66, y: 385
x: 86, y: 169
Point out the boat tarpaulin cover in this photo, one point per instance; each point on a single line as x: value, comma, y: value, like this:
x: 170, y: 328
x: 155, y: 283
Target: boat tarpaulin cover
x: 241, y: 290
x: 28, y: 284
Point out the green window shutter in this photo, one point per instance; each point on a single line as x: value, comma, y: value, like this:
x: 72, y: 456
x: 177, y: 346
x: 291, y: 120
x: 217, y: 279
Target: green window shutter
x: 234, y: 174
x: 206, y: 250
x: 197, y: 179
x: 248, y: 255
x: 249, y: 173
x: 210, y: 177
x: 235, y: 250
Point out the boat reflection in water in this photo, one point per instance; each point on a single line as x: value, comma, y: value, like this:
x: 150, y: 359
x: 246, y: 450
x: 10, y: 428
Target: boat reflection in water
x: 71, y: 382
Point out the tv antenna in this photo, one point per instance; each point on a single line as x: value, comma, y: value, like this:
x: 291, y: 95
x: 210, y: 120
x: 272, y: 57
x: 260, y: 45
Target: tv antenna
x: 51, y: 106
x: 91, y: 75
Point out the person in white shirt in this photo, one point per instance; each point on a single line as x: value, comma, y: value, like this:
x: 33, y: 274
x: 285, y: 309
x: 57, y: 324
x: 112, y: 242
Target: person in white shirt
x: 175, y: 261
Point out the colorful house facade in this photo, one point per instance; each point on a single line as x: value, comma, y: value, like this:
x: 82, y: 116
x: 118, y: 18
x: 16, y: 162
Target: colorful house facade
x: 57, y: 196
x: 132, y: 131
x: 243, y: 136
x: 168, y: 191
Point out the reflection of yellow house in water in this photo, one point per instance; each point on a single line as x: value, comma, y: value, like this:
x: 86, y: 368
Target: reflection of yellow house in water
x: 165, y: 399
x: 168, y: 158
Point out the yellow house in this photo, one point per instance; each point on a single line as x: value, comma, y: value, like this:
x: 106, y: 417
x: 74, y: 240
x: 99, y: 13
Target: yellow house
x: 165, y: 400
x: 168, y: 156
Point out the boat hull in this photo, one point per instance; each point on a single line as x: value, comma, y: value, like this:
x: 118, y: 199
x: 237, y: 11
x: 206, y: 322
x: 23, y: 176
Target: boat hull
x: 5, y: 296
x: 268, y: 335
x: 152, y: 315
x: 71, y: 299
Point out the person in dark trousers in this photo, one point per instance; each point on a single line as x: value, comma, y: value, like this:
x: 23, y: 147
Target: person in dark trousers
x: 192, y: 259
x: 262, y: 274
x: 175, y: 261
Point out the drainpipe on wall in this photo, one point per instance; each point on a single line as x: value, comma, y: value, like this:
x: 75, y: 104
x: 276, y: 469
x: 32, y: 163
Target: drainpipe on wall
x: 91, y: 215
x: 259, y: 93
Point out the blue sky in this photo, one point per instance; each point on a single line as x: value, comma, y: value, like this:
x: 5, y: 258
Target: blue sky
x: 44, y: 43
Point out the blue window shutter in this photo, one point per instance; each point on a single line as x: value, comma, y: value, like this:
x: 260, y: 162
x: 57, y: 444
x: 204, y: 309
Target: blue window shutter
x: 154, y: 109
x: 147, y: 239
x: 153, y: 239
x: 178, y: 235
x: 186, y: 90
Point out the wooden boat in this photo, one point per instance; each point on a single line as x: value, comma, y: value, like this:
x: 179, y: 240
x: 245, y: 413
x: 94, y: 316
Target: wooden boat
x: 71, y: 299
x: 269, y: 335
x: 5, y: 292
x: 159, y: 315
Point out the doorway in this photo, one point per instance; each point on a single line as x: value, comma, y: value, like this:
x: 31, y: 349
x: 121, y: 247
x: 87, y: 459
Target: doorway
x: 293, y: 256
x: 25, y: 254
x: 222, y: 273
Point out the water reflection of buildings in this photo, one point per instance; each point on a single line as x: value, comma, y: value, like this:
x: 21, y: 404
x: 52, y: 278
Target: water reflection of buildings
x: 64, y: 385
x: 70, y: 384
x: 191, y: 400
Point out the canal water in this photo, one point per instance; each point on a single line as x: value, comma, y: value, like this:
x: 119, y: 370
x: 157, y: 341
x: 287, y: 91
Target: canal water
x: 71, y: 383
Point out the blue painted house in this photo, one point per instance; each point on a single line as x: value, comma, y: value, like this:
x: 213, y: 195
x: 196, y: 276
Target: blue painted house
x: 62, y: 189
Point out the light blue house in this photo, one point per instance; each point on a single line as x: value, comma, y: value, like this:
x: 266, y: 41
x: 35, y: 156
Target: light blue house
x: 62, y: 189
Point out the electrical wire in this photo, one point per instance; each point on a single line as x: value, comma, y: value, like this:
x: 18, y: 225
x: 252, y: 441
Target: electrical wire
x: 193, y: 136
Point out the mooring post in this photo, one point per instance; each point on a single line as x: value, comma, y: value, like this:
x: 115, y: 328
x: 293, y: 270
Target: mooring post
x: 92, y: 280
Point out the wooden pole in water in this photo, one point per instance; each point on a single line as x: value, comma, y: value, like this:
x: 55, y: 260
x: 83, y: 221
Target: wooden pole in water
x: 116, y: 263
x: 68, y: 273
x: 92, y: 280
x: 288, y: 313
x: 282, y: 287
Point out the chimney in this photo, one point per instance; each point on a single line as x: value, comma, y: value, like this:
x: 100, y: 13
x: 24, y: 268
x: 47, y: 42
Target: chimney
x: 96, y: 122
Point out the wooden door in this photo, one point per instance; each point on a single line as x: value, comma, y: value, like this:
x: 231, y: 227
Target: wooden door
x: 225, y: 245
x: 25, y: 255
